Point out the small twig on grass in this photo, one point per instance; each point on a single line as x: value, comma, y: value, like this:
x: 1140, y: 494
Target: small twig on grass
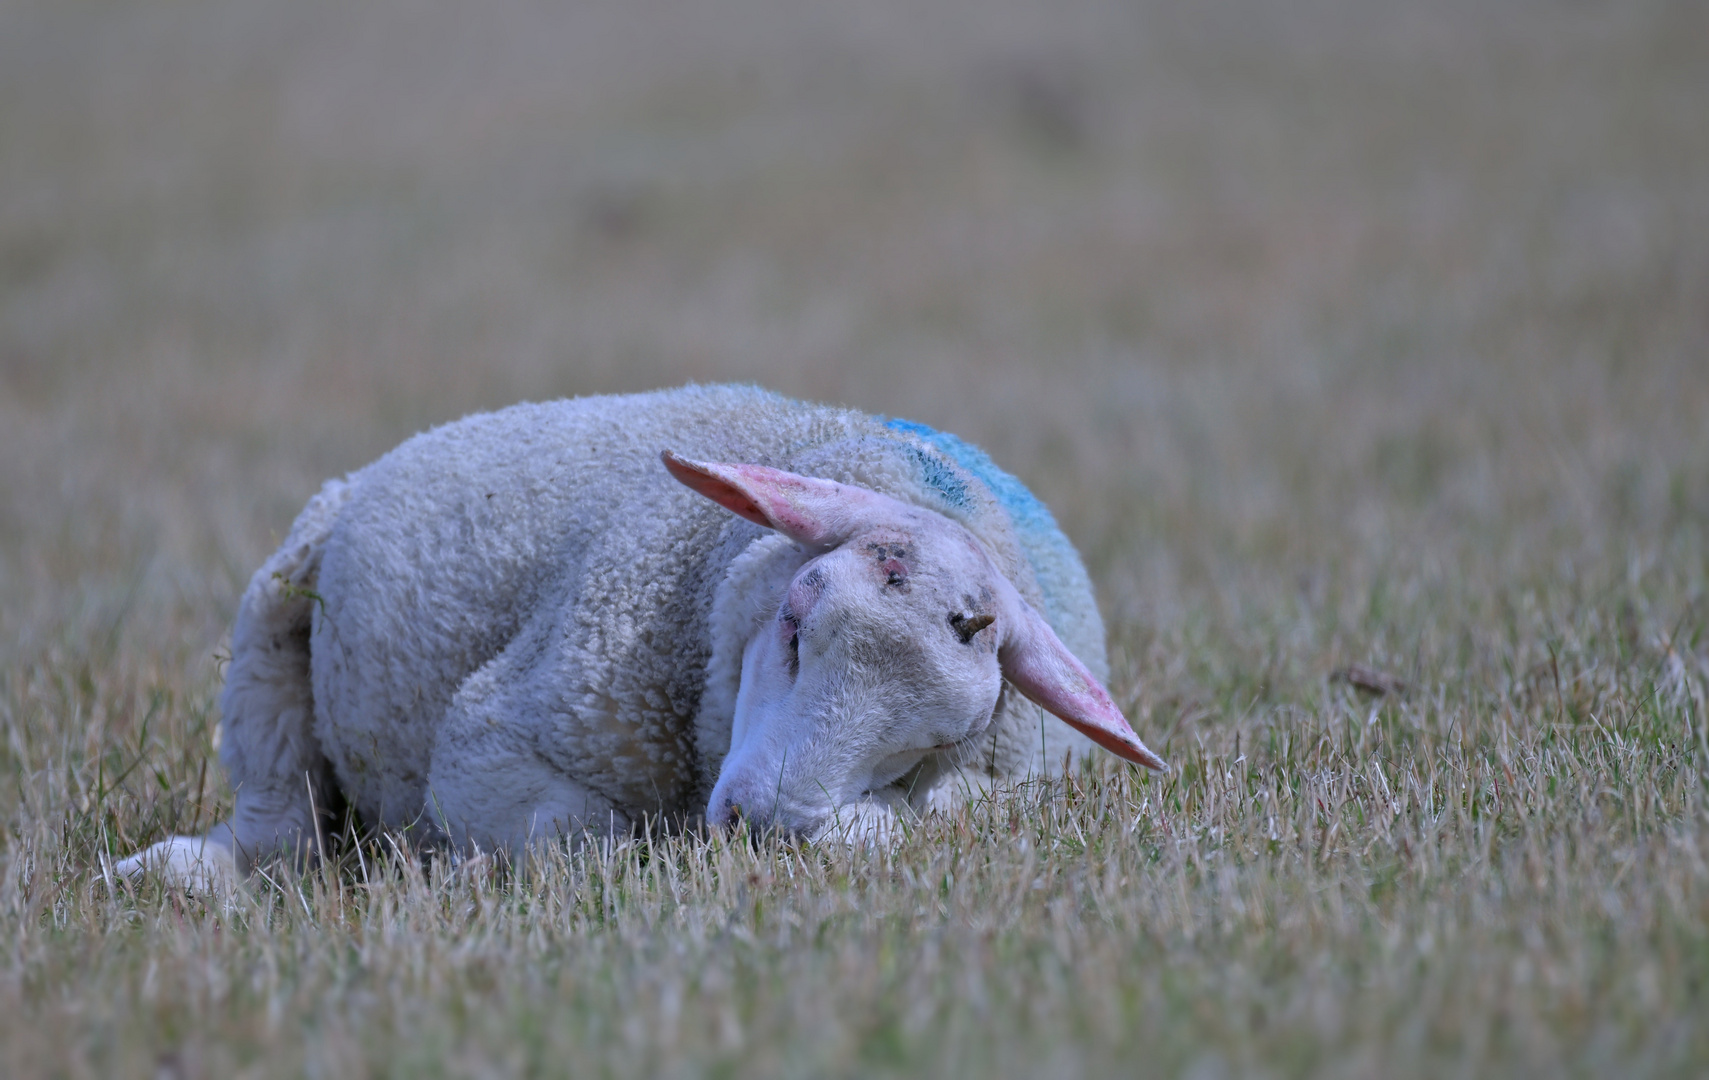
x: 1369, y: 679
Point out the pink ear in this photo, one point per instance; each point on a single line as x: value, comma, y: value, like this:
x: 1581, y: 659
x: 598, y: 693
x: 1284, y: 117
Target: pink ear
x: 818, y: 513
x: 1040, y: 666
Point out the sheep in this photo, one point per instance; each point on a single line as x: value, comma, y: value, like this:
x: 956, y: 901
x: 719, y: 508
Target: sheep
x: 680, y: 609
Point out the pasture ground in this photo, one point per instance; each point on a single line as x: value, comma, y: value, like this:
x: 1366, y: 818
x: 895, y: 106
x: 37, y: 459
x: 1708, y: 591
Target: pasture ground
x: 1335, y: 334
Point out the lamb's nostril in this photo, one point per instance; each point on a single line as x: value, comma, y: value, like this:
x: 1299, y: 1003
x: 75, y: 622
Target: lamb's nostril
x: 728, y: 815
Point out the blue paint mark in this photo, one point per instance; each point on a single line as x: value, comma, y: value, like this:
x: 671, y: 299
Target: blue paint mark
x: 1028, y: 514
x: 940, y: 476
x: 1052, y: 557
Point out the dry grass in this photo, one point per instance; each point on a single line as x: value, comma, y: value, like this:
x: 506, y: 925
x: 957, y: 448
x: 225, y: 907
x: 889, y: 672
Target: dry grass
x: 1339, y: 336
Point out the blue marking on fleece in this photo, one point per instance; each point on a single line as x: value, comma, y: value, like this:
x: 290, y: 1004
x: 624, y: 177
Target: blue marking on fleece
x: 1023, y: 506
x: 1041, y: 539
x: 941, y: 476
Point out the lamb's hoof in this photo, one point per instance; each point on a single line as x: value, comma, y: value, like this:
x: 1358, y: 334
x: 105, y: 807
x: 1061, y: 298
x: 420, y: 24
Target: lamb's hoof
x: 199, y: 865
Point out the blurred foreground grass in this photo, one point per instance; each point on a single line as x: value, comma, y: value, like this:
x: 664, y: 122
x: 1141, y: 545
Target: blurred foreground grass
x: 1335, y: 334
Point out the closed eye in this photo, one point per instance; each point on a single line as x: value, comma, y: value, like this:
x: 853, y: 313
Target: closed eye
x: 955, y: 742
x: 978, y: 731
x: 792, y: 626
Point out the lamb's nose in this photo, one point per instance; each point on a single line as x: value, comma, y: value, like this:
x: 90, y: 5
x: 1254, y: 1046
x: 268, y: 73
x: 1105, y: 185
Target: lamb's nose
x: 727, y: 814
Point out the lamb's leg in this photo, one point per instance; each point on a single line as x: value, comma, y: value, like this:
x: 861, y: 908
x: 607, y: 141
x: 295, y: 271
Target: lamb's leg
x: 200, y: 864
x: 490, y: 788
x: 497, y: 800
x: 281, y: 779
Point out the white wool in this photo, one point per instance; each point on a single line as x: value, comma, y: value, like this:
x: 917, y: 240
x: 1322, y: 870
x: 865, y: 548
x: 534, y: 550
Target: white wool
x: 528, y: 595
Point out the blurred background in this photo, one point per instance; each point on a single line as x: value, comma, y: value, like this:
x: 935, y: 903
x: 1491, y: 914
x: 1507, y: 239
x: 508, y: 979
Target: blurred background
x: 1281, y: 306
x: 1335, y: 332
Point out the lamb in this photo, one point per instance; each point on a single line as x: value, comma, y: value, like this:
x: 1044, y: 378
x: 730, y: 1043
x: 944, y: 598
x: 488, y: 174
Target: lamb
x: 681, y: 609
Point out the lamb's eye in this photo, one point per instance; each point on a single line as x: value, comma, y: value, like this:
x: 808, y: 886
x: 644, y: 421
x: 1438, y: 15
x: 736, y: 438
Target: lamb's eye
x: 791, y: 626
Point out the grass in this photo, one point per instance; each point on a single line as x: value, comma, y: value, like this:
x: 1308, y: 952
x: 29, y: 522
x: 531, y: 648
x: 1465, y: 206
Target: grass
x: 1337, y: 336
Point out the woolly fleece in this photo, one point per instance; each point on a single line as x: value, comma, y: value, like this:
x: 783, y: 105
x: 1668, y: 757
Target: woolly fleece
x: 540, y: 562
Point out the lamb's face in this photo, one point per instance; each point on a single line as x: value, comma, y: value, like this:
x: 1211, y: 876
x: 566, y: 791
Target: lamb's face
x: 881, y: 652
x: 889, y: 645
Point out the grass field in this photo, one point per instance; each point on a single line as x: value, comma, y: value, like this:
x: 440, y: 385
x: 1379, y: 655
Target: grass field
x: 1335, y: 334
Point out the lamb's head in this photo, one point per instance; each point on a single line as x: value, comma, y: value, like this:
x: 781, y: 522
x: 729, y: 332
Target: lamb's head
x: 890, y: 644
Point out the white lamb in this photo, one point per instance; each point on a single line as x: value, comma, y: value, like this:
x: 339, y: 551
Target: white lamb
x: 526, y: 625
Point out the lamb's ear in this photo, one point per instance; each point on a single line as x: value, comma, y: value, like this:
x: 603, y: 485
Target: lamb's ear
x: 1040, y: 666
x: 818, y: 513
